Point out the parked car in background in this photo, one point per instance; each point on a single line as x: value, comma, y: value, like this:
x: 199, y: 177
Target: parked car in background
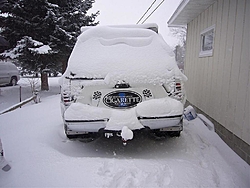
x: 9, y: 74
x: 122, y: 79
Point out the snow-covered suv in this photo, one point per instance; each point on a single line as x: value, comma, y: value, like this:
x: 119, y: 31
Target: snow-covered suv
x: 120, y: 79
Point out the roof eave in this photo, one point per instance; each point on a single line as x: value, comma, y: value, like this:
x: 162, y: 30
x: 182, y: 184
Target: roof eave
x: 176, y: 13
x: 187, y: 11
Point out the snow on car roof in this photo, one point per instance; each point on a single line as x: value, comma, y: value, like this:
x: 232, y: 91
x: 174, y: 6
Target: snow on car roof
x: 152, y: 26
x: 133, y: 54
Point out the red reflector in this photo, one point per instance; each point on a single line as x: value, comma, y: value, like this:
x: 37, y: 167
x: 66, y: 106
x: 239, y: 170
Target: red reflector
x: 178, y: 84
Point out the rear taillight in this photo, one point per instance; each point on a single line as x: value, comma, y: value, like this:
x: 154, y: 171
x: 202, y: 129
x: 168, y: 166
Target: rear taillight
x: 175, y: 89
x: 66, y: 98
x: 178, y: 90
x: 177, y: 86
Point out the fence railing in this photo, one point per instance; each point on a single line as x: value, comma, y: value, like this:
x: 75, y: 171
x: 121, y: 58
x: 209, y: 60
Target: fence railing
x: 20, y: 104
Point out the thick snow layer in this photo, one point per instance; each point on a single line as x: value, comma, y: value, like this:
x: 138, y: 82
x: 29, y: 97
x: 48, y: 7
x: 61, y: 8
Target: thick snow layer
x: 116, y: 53
x: 160, y: 107
x: 41, y: 156
x: 79, y: 111
x: 120, y: 118
x: 142, y: 26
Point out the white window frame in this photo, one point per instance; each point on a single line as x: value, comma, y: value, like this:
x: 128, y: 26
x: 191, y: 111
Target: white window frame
x: 203, y: 34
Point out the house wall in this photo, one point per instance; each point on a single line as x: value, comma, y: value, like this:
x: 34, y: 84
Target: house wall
x: 219, y: 85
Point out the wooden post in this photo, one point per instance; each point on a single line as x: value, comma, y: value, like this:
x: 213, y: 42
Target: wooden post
x: 20, y: 94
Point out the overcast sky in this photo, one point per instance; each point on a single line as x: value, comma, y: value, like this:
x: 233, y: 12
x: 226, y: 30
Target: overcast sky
x: 120, y: 12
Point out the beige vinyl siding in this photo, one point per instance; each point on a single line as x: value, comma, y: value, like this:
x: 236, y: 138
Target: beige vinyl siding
x: 219, y: 85
x: 244, y: 78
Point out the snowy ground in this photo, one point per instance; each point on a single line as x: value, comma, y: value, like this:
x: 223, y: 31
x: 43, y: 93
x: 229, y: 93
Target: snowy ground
x: 41, y: 156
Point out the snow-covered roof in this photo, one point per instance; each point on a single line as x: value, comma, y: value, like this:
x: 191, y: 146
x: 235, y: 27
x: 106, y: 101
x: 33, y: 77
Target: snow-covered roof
x: 187, y: 11
x: 152, y: 26
x: 133, y: 54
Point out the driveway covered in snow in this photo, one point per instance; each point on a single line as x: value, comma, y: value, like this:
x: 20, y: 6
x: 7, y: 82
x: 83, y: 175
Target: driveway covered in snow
x: 41, y: 156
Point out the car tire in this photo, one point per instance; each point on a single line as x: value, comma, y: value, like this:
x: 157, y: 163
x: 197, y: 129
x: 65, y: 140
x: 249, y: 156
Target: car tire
x: 68, y: 136
x: 174, y: 133
x: 157, y: 135
x: 71, y: 136
x: 13, y: 81
x: 88, y: 137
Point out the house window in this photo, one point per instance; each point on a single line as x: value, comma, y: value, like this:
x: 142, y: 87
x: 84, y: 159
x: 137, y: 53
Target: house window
x: 207, y: 42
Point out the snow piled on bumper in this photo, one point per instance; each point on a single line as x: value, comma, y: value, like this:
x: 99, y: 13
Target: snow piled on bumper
x: 163, y: 107
x: 79, y: 111
x: 159, y: 108
x: 121, y: 118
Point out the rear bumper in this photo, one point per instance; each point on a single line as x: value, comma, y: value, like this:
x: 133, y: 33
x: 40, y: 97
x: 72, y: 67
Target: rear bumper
x: 167, y: 123
x: 74, y: 127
